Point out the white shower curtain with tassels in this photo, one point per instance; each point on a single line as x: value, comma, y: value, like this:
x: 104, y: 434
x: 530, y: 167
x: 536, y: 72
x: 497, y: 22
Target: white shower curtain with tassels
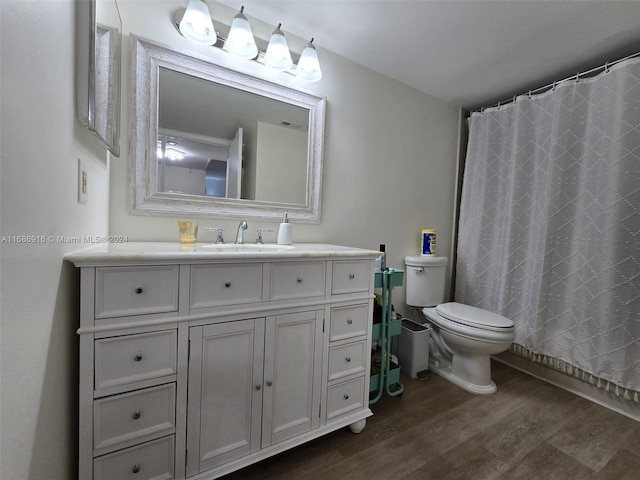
x: 549, y: 231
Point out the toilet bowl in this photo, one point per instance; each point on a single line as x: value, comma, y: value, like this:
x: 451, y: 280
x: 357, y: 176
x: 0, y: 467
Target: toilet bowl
x: 462, y: 337
x: 468, y: 336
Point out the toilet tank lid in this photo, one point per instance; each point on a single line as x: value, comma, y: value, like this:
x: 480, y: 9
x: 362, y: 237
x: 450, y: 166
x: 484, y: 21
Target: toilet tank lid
x: 424, y: 261
x: 473, y: 315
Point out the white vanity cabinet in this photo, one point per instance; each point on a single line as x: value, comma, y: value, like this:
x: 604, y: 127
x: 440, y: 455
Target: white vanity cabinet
x: 195, y: 364
x: 252, y: 383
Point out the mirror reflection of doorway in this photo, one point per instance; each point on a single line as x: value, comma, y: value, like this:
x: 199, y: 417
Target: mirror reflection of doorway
x: 199, y: 165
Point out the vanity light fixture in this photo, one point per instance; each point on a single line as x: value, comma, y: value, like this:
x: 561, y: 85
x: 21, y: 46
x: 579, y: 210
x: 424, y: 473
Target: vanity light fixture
x: 241, y: 41
x: 308, y: 68
x: 277, y: 55
x: 196, y: 24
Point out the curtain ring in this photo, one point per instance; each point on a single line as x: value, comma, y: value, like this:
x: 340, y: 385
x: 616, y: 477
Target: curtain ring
x: 529, y: 94
x: 514, y: 99
x: 606, y: 67
x: 577, y: 77
x: 498, y: 104
x: 482, y: 111
x: 553, y: 89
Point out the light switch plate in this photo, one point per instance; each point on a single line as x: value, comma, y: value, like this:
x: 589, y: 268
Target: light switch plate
x: 82, y: 182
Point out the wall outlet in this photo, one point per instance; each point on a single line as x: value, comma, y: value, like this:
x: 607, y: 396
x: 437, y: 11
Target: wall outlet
x: 82, y: 182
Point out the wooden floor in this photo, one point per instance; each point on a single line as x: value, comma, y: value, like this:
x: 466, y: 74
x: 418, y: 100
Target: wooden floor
x: 527, y: 430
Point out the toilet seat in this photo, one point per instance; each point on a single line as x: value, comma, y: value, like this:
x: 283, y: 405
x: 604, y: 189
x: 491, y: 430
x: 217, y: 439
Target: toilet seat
x: 474, y: 317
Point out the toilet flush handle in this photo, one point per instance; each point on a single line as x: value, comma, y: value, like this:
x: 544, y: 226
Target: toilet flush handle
x: 418, y: 269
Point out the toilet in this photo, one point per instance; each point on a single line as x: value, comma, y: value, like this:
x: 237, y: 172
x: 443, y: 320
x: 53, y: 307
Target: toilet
x: 462, y: 337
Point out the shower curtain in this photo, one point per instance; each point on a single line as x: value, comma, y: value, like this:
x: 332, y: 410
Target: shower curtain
x: 549, y: 230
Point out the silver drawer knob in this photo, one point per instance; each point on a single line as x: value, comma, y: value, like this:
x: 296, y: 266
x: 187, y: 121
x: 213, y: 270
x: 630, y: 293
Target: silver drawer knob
x: 139, y: 290
x: 137, y: 415
x: 352, y: 276
x: 299, y: 279
x: 227, y: 284
x: 136, y: 468
x: 346, y: 396
x: 258, y: 387
x: 138, y: 357
x: 348, y: 359
x: 349, y: 321
x: 269, y: 383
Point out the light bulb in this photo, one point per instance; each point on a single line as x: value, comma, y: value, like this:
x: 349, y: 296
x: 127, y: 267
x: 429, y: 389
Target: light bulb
x: 277, y: 55
x: 241, y: 41
x: 196, y: 24
x: 308, y: 68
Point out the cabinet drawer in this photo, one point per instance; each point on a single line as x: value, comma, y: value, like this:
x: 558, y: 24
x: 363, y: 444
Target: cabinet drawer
x: 124, y: 291
x: 347, y: 359
x: 350, y: 276
x: 297, y: 280
x: 349, y: 321
x: 134, y: 358
x: 345, y: 397
x: 149, y: 461
x: 123, y: 420
x: 227, y: 284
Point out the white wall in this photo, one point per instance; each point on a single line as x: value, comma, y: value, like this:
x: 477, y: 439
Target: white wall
x: 281, y: 155
x: 185, y: 180
x: 41, y: 142
x: 390, y: 152
x: 389, y: 171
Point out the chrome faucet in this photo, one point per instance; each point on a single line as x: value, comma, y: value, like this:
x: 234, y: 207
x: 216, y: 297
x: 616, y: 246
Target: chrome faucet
x: 241, y: 228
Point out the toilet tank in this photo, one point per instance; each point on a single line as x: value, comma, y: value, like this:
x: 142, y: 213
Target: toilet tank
x: 425, y: 280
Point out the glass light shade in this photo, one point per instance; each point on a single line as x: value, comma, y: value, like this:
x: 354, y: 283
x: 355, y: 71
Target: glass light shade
x: 241, y: 41
x: 308, y: 68
x: 277, y: 55
x: 196, y: 24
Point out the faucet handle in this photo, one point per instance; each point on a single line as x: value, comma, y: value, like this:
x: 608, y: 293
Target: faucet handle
x: 219, y: 238
x: 259, y: 240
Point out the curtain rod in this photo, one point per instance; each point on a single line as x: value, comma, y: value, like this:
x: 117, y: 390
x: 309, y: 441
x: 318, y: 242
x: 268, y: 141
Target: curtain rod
x: 553, y: 85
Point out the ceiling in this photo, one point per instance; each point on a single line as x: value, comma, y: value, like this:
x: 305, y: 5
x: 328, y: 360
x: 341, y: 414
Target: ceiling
x: 472, y: 53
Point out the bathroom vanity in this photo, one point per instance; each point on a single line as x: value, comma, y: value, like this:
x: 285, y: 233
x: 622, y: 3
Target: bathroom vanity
x: 197, y: 361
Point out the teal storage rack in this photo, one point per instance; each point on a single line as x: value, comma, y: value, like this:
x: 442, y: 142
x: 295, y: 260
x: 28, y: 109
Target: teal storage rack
x: 389, y: 372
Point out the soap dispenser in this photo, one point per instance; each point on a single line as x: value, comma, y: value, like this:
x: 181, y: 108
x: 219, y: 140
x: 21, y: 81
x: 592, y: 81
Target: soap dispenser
x: 284, y: 232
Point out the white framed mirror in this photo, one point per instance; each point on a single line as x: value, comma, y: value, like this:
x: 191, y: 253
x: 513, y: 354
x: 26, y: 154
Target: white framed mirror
x: 207, y: 140
x: 98, y: 70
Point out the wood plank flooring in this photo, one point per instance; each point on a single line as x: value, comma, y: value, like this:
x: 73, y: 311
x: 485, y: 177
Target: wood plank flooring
x: 528, y: 430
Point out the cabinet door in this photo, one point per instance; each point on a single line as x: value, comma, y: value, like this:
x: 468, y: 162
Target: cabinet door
x: 225, y: 392
x: 292, y: 375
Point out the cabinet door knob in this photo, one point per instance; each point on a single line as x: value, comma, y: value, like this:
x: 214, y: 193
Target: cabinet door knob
x: 348, y: 359
x: 269, y: 383
x: 136, y: 468
x: 299, y: 280
x: 139, y: 290
x: 227, y: 284
x: 352, y: 276
x: 349, y: 321
x: 138, y: 357
x: 346, y: 396
x: 137, y: 415
x: 258, y: 387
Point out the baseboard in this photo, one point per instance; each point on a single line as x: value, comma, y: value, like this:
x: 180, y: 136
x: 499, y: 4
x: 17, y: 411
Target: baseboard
x: 571, y: 384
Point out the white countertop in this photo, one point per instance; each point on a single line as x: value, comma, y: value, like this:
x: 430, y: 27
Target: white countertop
x: 131, y: 252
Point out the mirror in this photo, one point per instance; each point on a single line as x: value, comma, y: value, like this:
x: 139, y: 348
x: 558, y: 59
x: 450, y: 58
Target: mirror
x: 98, y: 70
x: 209, y: 140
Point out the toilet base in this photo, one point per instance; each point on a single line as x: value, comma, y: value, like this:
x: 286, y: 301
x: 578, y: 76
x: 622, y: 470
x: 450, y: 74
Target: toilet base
x: 444, y: 370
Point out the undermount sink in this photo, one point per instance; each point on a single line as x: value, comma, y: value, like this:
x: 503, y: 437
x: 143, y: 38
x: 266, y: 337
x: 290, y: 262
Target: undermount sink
x: 246, y: 247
